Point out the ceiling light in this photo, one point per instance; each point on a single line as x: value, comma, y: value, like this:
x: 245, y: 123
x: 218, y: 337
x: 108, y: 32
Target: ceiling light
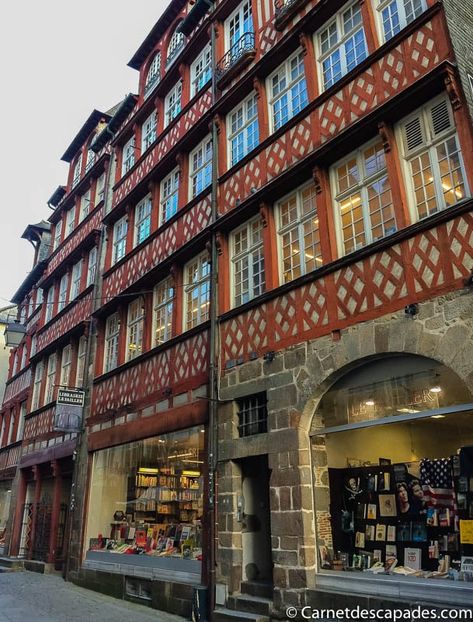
x: 369, y: 402
x: 436, y: 389
x: 438, y: 417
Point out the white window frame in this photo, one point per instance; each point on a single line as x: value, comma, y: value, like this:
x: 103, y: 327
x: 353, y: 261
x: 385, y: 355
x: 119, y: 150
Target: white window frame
x: 173, y: 103
x: 169, y: 195
x: 154, y: 74
x: 231, y: 26
x: 200, y: 167
x: 297, y: 99
x: 247, y: 259
x: 240, y: 114
x: 24, y: 353
x: 48, y: 314
x: 21, y: 421
x: 404, y: 18
x: 77, y: 171
x: 38, y: 379
x: 176, y: 44
x: 198, y: 284
x: 90, y: 160
x: 58, y: 233
x: 148, y: 131
x: 81, y: 356
x: 163, y: 309
x: 70, y: 221
x: 128, y: 155
x: 91, y: 265
x: 76, y: 277
x: 66, y: 364
x: 201, y: 70
x: 100, y: 189
x: 297, y: 226
x: 342, y: 38
x: 112, y: 337
x: 63, y: 292
x: 134, y: 329
x: 50, y: 378
x: 11, y: 426
x: 120, y: 231
x: 85, y: 205
x: 143, y: 219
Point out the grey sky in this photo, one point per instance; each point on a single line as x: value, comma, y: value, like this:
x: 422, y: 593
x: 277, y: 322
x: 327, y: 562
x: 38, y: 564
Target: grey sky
x: 59, y: 60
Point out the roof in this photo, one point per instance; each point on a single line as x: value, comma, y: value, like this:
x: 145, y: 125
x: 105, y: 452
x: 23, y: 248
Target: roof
x: 30, y: 280
x: 80, y: 138
x: 56, y: 196
x: 158, y: 30
x: 34, y: 231
x: 122, y: 110
x: 200, y: 8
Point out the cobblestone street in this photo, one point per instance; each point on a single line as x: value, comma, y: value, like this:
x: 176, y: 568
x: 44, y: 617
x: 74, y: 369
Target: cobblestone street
x: 32, y: 597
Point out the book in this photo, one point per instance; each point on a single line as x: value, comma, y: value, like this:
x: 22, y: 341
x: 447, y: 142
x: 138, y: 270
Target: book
x: 384, y: 482
x: 369, y: 532
x: 390, y: 564
x: 380, y: 532
x: 404, y: 532
x: 412, y: 558
x: 391, y: 533
x: 419, y: 532
x: 463, y: 484
x: 359, y: 540
x: 432, y: 517
x: 371, y: 511
x: 361, y: 511
x: 372, y: 483
x: 461, y: 501
x: 444, y: 517
x: 378, y: 555
x: 391, y: 550
x: 387, y: 505
x: 434, y: 549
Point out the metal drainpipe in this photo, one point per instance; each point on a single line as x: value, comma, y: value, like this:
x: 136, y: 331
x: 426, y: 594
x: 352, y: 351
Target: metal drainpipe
x: 213, y: 342
x: 89, y: 378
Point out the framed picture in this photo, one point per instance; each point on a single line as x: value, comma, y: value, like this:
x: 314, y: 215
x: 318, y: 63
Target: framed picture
x: 387, y: 505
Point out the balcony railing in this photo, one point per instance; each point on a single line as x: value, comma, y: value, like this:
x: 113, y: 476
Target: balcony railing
x: 149, y: 86
x: 243, y: 50
x: 283, y: 9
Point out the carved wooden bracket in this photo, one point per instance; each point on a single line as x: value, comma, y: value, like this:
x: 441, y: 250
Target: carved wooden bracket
x: 384, y: 134
x: 257, y: 86
x: 318, y: 176
x: 264, y: 213
x: 303, y: 42
x: 219, y: 239
x: 453, y: 88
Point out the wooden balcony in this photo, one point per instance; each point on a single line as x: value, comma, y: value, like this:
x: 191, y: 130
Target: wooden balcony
x: 16, y: 386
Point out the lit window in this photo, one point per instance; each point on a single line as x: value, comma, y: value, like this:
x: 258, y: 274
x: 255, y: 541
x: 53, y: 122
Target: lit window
x: 172, y: 104
x: 76, y: 279
x: 435, y: 169
x: 135, y: 325
x: 148, y: 132
x: 100, y: 189
x: 169, y: 196
x: 143, y: 220
x: 299, y: 234
x: 76, y: 173
x: 112, y: 334
x: 128, y: 155
x: 38, y: 378
x: 288, y: 91
x: 163, y: 311
x: 197, y: 291
x: 84, y: 206
x: 49, y: 305
x: 247, y: 262
x: 57, y: 234
x: 63, y: 289
x: 363, y: 200
x: 243, y: 129
x: 342, y: 45
x: 66, y: 362
x: 176, y: 44
x: 201, y: 70
x: 81, y: 354
x: 90, y: 160
x: 70, y: 220
x: 50, y: 379
x: 394, y: 15
x: 154, y: 74
x: 238, y: 25
x: 120, y: 230
x: 91, y: 266
x: 200, y: 167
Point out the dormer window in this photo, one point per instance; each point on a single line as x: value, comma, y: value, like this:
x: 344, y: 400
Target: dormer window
x: 154, y: 74
x: 176, y: 44
x: 128, y: 155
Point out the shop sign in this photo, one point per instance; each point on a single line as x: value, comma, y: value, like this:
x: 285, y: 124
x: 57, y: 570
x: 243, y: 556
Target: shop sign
x: 68, y: 414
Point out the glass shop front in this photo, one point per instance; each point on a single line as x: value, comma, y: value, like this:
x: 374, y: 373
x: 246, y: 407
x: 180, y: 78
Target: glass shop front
x: 5, y: 500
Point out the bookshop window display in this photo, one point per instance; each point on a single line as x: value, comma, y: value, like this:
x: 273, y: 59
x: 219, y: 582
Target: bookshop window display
x: 146, y: 500
x: 393, y: 440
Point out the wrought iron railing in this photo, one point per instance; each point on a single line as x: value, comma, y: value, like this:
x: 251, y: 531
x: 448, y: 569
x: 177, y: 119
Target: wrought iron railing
x: 281, y: 7
x: 244, y: 45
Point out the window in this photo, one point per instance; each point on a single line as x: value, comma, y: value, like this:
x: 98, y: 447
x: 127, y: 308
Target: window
x: 201, y: 70
x: 434, y: 162
x: 143, y: 219
x: 247, y: 262
x: 363, y: 201
x: 90, y: 160
x: 15, y: 363
x: 91, y: 266
x: 153, y: 75
x: 24, y: 353
x: 112, y: 333
x: 176, y: 44
x: 395, y: 14
x: 81, y: 355
x: 70, y: 220
x: 299, y: 234
x: 63, y: 288
x: 39, y: 298
x: 76, y: 279
x: 135, y: 324
x: 172, y: 103
x: 238, y: 24
x: 11, y: 427
x: 169, y: 196
x: 57, y: 234
x: 76, y: 173
x: 120, y: 230
x: 243, y: 129
x: 148, y: 132
x: 21, y: 422
x: 288, y: 91
x: 66, y: 361
x: 128, y: 155
x: 49, y: 305
x: 163, y: 310
x: 342, y: 45
x: 201, y: 167
x: 100, y: 189
x: 252, y: 414
x: 196, y: 291
x: 33, y: 346
x: 50, y: 379
x: 84, y: 206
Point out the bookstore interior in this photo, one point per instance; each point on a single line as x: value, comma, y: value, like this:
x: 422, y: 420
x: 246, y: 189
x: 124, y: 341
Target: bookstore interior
x: 146, y: 500
x: 398, y: 435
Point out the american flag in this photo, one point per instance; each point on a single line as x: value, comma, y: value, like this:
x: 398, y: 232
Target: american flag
x: 437, y: 482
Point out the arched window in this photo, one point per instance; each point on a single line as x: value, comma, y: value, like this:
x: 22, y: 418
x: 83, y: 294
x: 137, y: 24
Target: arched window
x: 176, y: 44
x: 154, y: 74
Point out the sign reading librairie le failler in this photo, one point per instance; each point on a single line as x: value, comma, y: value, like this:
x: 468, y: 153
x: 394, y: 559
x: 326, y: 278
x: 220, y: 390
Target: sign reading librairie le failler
x: 68, y: 415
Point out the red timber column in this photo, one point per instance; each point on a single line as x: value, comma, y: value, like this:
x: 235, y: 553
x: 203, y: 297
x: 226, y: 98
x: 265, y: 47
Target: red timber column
x: 159, y: 105
x: 123, y: 336
x: 18, y: 515
x: 34, y: 513
x: 223, y: 259
x: 222, y: 145
x: 137, y: 135
x: 119, y: 160
x: 219, y: 40
x: 130, y: 232
x: 262, y: 104
x: 462, y: 121
x: 393, y: 167
x: 184, y: 72
x: 147, y: 301
x: 183, y: 191
x: 271, y: 266
x: 153, y: 188
x: 369, y: 21
x: 177, y: 274
x: 55, y: 510
x: 328, y: 243
x: 310, y: 65
x: 108, y: 248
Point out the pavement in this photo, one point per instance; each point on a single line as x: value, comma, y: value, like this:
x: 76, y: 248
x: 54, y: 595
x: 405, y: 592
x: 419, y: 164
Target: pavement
x: 32, y: 597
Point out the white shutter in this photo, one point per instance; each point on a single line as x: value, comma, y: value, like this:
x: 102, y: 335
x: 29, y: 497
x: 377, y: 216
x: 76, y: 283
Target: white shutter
x: 440, y: 118
x: 413, y: 133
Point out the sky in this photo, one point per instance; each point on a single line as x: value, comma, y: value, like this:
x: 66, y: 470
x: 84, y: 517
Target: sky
x: 58, y: 61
